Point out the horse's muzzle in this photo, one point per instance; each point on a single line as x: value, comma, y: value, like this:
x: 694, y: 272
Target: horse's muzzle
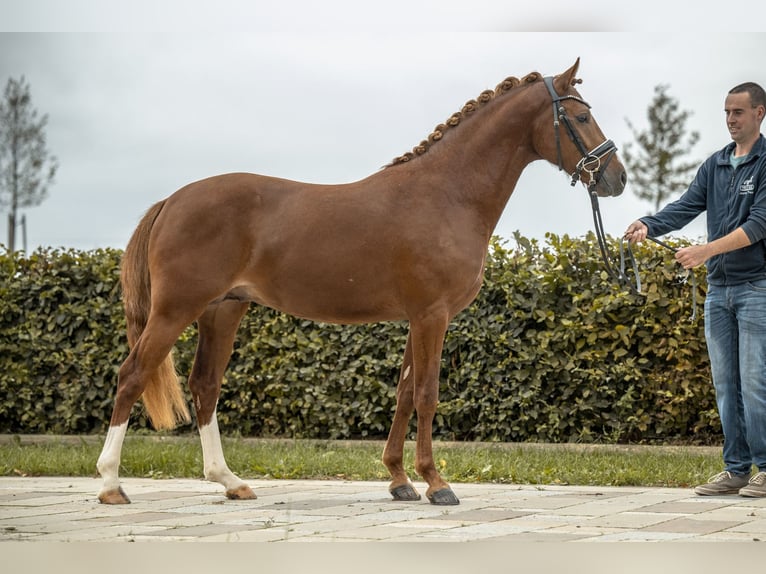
x: 614, y: 185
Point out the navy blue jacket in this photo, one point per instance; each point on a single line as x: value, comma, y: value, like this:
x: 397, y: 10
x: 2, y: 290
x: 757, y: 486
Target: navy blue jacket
x: 732, y: 198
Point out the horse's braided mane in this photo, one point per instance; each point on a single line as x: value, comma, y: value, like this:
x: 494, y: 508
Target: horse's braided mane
x: 470, y: 107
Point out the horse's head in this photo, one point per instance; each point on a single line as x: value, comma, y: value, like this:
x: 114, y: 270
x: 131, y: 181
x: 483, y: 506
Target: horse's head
x: 566, y: 134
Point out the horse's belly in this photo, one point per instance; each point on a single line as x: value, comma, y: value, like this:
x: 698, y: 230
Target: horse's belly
x: 325, y: 302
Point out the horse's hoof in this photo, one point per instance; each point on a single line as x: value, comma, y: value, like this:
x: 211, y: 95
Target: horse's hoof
x: 443, y: 497
x: 243, y: 492
x: 405, y: 492
x: 116, y: 496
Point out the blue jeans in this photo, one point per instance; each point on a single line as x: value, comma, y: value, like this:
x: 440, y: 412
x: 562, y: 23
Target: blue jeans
x: 735, y: 330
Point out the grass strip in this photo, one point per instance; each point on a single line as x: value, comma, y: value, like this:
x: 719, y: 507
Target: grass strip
x: 528, y: 463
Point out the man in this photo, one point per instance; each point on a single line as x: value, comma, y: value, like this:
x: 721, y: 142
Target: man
x: 731, y: 186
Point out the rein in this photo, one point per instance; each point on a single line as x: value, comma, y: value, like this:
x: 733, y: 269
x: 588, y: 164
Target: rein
x: 619, y: 274
x: 693, y: 316
x: 591, y: 164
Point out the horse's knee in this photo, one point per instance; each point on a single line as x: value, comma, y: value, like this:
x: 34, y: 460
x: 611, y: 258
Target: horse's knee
x: 426, y: 409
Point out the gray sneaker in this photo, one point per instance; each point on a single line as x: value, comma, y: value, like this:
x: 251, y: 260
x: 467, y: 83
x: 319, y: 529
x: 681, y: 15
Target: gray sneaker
x: 756, y: 487
x: 723, y: 483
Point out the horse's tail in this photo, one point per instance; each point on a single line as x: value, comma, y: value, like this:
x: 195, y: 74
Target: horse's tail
x: 162, y: 397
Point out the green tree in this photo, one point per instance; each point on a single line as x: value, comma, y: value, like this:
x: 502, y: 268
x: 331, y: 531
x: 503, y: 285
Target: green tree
x: 26, y: 168
x: 656, y: 167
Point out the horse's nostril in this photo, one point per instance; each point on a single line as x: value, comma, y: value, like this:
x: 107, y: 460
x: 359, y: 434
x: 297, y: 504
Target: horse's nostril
x: 623, y: 178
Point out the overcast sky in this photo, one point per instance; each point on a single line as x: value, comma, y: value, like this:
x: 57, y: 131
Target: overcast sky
x: 140, y: 106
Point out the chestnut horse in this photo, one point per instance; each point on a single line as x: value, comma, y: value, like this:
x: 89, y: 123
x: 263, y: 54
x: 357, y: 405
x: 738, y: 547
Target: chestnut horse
x: 406, y: 243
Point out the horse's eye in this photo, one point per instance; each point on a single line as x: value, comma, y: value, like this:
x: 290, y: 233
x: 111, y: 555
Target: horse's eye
x: 583, y: 118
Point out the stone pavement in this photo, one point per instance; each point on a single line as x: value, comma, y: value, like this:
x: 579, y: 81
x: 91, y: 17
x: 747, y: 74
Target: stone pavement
x: 62, y: 509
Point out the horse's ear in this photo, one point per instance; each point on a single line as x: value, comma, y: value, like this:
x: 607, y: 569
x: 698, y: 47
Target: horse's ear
x: 569, y: 78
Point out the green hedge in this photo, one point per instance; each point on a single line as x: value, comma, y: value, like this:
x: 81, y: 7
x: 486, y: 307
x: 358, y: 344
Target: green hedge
x: 551, y: 350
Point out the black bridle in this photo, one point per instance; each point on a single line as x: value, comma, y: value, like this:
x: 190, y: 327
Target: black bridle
x: 591, y: 161
x: 594, y: 163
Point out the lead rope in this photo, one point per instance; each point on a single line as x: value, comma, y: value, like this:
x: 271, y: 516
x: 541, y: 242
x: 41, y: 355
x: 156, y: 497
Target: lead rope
x: 626, y: 254
x: 693, y: 317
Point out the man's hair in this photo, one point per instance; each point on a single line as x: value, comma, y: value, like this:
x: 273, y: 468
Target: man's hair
x: 757, y: 95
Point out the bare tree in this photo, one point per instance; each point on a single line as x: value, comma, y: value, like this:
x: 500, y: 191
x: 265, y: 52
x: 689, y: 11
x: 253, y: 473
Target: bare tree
x: 657, y: 172
x: 26, y: 168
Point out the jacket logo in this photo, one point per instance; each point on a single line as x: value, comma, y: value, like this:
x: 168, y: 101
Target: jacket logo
x: 747, y: 186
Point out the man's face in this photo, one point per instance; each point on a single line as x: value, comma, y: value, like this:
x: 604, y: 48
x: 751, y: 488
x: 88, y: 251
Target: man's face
x: 742, y: 119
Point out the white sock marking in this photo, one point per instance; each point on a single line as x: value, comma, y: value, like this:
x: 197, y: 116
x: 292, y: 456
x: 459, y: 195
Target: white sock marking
x: 109, y: 461
x: 216, y: 469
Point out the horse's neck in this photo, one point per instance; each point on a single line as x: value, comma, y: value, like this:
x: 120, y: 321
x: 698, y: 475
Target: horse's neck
x: 483, y: 158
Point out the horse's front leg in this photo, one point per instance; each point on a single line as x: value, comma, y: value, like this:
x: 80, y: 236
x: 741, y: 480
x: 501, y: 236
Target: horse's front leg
x: 393, y: 455
x: 427, y: 343
x: 217, y: 329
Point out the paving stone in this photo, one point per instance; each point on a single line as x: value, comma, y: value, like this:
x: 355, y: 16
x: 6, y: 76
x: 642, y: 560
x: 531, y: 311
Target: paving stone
x: 642, y: 536
x: 543, y: 536
x: 165, y: 495
x: 319, y: 528
x: 202, y: 530
x: 691, y: 526
x: 586, y: 531
x: 734, y: 513
x: 632, y: 520
x: 482, y: 515
x: 753, y: 502
x: 728, y: 536
x: 10, y: 497
x: 263, y: 535
x: 757, y: 526
x: 378, y: 532
x: 110, y: 533
x: 545, y: 502
x: 136, y: 518
x: 313, y: 504
x: 683, y: 507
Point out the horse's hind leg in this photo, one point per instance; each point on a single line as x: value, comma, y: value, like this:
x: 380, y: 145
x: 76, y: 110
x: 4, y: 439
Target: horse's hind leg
x: 393, y: 455
x: 217, y: 329
x: 143, y: 362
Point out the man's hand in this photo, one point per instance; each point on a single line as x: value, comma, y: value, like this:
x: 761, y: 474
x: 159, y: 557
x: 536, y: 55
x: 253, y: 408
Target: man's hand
x: 636, y: 232
x: 693, y: 256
